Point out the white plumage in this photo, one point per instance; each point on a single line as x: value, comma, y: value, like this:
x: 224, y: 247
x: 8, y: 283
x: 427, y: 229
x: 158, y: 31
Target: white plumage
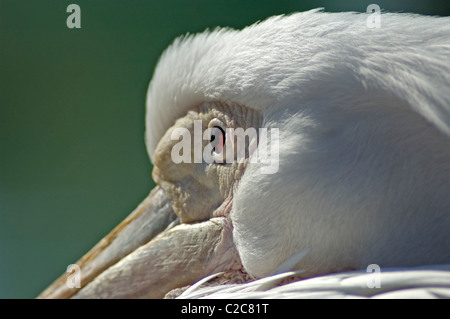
x: 364, y: 118
x: 424, y: 282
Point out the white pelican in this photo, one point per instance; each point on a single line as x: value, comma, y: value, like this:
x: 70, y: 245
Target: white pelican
x: 363, y: 176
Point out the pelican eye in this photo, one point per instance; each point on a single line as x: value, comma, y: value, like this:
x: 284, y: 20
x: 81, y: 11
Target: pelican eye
x: 217, y: 139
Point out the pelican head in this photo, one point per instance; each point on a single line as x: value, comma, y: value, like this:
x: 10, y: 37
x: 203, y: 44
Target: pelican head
x: 354, y: 123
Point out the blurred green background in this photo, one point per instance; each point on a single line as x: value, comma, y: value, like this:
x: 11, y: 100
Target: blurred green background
x: 73, y: 162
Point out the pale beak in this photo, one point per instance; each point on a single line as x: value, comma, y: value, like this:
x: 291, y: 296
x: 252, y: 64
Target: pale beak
x: 148, y: 254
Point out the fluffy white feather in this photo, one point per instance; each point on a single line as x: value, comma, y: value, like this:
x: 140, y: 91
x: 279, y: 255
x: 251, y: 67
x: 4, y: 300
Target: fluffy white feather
x: 364, y: 119
x: 426, y: 282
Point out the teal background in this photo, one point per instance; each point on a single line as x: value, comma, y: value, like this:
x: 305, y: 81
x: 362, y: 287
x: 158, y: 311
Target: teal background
x: 73, y: 162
